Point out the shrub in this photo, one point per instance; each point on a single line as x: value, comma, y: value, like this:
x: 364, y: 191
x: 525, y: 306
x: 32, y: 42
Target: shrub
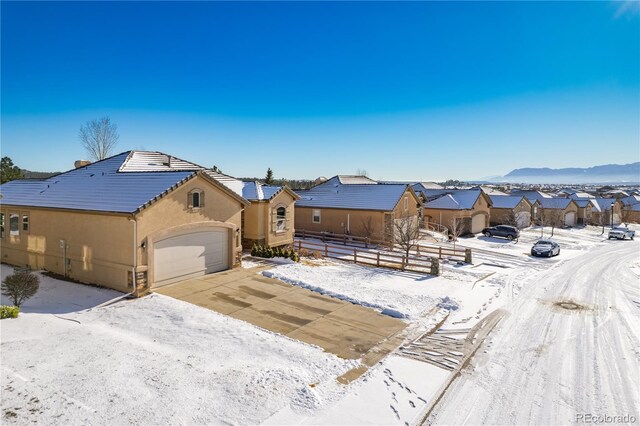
x: 9, y: 311
x: 304, y: 252
x: 20, y: 286
x: 268, y: 252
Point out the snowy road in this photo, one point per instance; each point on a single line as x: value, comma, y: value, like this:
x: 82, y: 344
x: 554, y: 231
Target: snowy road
x: 547, y: 364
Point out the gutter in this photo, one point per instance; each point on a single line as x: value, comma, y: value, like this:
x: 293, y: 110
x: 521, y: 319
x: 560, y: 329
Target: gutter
x: 135, y: 253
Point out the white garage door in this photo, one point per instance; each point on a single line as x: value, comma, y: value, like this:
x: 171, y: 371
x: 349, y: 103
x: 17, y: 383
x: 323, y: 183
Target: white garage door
x: 187, y: 255
x: 570, y: 219
x: 477, y: 223
x: 523, y: 219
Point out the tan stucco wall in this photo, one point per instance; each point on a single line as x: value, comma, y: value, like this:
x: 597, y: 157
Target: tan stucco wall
x: 572, y: 207
x: 173, y: 211
x: 273, y: 238
x: 100, y: 246
x: 501, y: 216
x: 596, y: 216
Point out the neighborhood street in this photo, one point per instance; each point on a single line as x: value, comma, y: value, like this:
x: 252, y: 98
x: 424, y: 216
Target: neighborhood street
x: 570, y: 346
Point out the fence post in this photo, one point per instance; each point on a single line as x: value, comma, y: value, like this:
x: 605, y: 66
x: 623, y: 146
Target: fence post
x: 355, y: 255
x: 467, y: 255
x: 366, y: 242
x: 403, y: 264
x: 378, y: 260
x: 304, y: 233
x: 439, y: 252
x: 418, y: 249
x: 344, y: 239
x: 326, y: 250
x: 435, y: 266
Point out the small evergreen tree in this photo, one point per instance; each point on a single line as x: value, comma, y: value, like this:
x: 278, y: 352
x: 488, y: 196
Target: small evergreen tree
x: 269, y: 178
x: 8, y: 171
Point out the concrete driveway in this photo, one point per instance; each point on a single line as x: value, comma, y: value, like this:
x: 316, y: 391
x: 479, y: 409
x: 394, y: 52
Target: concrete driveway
x: 342, y: 328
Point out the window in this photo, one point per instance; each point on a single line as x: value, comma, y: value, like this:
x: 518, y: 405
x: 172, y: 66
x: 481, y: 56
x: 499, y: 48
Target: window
x: 25, y: 223
x: 14, y: 220
x: 406, y: 203
x: 1, y: 225
x: 195, y: 199
x: 315, y: 216
x: 281, y: 219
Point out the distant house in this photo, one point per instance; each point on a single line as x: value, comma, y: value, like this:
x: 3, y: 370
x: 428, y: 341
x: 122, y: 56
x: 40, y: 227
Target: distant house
x: 506, y: 209
x: 468, y: 208
x: 355, y: 205
x: 557, y: 211
x: 630, y: 200
x: 605, y: 210
x: 489, y: 190
x: 585, y: 207
x: 632, y: 213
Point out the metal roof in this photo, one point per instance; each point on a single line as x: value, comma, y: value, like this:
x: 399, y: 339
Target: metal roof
x: 352, y: 196
x: 630, y: 200
x: 554, y: 203
x: 355, y: 180
x: 602, y: 204
x: 505, y: 201
x: 455, y: 199
x: 95, y: 187
x: 154, y: 161
x: 532, y: 196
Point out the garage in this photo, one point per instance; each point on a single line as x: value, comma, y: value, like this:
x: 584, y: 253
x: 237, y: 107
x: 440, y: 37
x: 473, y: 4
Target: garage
x: 190, y: 254
x: 570, y: 219
x: 478, y: 223
x: 523, y: 219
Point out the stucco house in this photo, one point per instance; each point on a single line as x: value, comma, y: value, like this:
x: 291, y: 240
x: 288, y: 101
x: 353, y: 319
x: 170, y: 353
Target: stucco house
x: 632, y: 213
x: 558, y: 211
x: 601, y: 212
x: 507, y: 209
x: 469, y: 208
x: 131, y: 222
x: 355, y: 205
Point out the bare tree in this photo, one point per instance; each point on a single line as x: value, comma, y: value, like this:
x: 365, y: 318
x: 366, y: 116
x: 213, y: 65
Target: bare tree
x: 511, y: 218
x: 99, y: 137
x: 362, y: 172
x: 455, y: 229
x: 554, y: 217
x: 406, y: 231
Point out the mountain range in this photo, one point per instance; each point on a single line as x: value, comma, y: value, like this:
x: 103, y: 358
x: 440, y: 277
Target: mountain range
x: 608, y: 173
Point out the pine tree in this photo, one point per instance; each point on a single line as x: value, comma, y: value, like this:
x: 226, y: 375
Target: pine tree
x: 269, y: 178
x: 8, y: 171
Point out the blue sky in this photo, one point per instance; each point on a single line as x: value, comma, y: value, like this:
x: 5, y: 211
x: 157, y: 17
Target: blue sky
x: 403, y: 90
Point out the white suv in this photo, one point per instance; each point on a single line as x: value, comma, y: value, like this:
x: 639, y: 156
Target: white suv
x: 621, y: 233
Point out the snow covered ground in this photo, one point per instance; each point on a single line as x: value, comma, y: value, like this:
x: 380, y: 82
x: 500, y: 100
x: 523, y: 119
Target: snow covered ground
x: 158, y: 360
x: 153, y: 360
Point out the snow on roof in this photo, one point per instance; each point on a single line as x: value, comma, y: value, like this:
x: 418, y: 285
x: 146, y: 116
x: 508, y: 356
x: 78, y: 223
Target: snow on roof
x: 577, y: 195
x: 352, y: 196
x: 455, y: 199
x: 236, y: 185
x: 355, y: 180
x: 95, y: 187
x: 554, y: 203
x: 532, y: 196
x: 489, y: 190
x: 602, y: 204
x: 630, y: 200
x: 154, y: 161
x: 257, y: 191
x: 505, y: 201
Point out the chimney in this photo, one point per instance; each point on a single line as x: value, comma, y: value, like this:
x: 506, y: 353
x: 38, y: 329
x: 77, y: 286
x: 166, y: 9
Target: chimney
x: 81, y: 163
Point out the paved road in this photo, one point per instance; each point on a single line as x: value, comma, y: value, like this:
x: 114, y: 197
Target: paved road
x: 548, y: 363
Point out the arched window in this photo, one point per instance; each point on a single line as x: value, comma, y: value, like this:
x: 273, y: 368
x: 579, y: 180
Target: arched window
x: 195, y: 199
x: 281, y: 219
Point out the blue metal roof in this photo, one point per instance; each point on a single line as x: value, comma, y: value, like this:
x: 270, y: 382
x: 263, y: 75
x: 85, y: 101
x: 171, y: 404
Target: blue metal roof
x: 455, y: 199
x: 505, y: 201
x: 96, y: 187
x: 555, y: 203
x: 352, y: 196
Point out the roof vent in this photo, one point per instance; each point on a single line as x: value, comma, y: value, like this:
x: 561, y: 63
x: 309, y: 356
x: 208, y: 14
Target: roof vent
x: 81, y: 163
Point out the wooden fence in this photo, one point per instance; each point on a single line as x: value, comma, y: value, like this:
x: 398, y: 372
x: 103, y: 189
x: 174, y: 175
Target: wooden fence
x: 366, y: 257
x: 419, y: 250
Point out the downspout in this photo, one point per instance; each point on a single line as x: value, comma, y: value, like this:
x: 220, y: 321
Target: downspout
x: 135, y: 253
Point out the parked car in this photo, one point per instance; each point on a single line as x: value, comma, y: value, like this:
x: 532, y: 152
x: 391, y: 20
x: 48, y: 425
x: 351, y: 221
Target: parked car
x: 505, y: 231
x: 621, y: 233
x: 546, y: 248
